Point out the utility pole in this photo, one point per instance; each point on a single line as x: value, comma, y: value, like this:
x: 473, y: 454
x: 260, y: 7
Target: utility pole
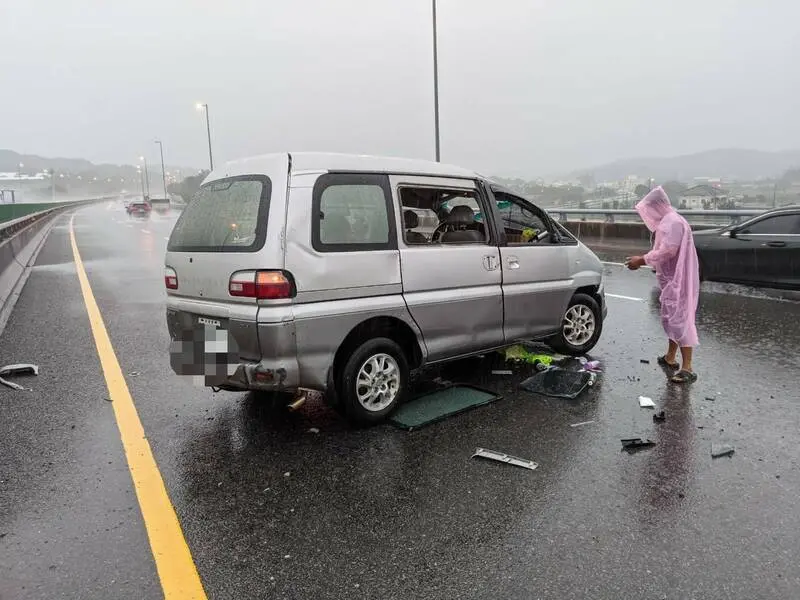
x: 146, y: 177
x: 203, y: 106
x: 163, y: 174
x: 436, y: 86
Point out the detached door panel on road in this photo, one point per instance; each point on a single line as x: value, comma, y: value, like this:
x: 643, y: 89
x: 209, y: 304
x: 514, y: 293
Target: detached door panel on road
x: 536, y: 274
x: 451, y: 271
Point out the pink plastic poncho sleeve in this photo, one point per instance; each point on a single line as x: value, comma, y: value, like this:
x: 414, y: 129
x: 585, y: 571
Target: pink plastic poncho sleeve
x: 669, y: 236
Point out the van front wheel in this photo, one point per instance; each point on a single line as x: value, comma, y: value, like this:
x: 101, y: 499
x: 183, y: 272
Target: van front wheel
x: 374, y: 381
x: 581, y: 326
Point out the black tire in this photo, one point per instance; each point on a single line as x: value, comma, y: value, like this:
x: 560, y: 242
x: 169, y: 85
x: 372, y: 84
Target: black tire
x: 347, y: 393
x: 559, y: 341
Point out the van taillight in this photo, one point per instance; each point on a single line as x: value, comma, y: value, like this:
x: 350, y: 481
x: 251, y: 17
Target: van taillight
x: 170, y: 278
x: 264, y: 285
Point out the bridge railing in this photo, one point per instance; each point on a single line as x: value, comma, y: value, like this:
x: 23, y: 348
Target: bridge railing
x: 698, y: 217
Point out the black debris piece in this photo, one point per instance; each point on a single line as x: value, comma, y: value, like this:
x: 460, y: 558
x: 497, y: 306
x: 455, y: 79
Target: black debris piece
x: 718, y: 450
x: 659, y: 417
x: 710, y: 399
x: 644, y: 361
x: 632, y: 444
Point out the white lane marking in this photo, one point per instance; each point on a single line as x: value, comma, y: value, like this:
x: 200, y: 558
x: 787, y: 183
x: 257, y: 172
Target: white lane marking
x: 145, y: 231
x: 624, y: 297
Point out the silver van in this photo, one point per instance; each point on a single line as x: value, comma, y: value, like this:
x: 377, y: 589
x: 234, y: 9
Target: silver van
x: 342, y: 273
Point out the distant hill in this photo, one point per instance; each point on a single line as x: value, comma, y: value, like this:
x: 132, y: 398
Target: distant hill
x: 730, y: 164
x: 10, y: 160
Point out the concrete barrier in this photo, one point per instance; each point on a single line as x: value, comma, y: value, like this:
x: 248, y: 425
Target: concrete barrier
x: 20, y: 240
x: 600, y: 230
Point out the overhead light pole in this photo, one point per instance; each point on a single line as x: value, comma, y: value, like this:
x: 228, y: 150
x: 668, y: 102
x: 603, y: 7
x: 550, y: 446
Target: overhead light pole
x: 204, y: 107
x: 435, y: 84
x: 146, y: 175
x: 163, y: 173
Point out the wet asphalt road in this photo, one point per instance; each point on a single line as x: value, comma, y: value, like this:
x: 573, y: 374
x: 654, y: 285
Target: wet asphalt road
x: 384, y: 513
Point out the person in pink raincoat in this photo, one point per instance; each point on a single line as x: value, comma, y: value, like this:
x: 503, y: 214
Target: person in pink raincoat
x: 674, y: 260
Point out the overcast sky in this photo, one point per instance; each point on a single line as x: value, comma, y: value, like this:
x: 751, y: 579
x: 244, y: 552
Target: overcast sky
x: 527, y: 87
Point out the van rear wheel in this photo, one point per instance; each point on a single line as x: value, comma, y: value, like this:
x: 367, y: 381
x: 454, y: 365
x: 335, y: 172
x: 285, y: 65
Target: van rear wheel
x: 374, y: 381
x: 580, y: 327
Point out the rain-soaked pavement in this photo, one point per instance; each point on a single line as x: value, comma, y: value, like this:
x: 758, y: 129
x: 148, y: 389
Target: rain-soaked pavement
x: 381, y: 512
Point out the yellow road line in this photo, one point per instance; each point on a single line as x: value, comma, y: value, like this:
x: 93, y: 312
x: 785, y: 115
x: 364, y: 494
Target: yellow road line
x: 176, y: 569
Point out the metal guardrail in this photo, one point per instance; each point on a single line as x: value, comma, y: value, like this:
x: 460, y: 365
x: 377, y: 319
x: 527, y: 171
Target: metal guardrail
x: 707, y: 216
x: 9, y: 229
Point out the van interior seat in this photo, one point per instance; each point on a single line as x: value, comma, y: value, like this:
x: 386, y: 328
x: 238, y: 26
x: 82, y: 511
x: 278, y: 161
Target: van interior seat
x: 460, y: 218
x: 411, y: 221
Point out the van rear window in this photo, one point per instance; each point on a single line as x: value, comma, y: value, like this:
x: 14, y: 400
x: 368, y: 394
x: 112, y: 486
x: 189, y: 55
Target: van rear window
x: 226, y: 215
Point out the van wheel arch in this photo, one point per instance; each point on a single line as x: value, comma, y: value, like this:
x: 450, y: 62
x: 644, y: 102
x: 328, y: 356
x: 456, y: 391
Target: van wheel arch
x: 387, y: 327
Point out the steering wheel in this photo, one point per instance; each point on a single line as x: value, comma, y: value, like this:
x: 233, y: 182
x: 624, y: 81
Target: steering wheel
x: 440, y: 228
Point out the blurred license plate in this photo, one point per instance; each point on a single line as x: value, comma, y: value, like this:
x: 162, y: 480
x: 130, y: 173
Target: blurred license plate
x: 215, y: 335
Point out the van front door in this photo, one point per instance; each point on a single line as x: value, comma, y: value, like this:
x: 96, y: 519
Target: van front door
x: 537, y: 282
x: 450, y: 265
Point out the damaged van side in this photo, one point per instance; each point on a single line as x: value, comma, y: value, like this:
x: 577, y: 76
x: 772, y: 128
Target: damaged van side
x: 343, y: 273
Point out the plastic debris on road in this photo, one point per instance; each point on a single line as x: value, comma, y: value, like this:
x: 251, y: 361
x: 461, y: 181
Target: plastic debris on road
x: 592, y: 366
x: 646, y: 402
x: 505, y: 458
x: 519, y: 353
x: 581, y: 424
x: 502, y: 372
x: 659, y: 417
x: 18, y: 369
x: 718, y: 450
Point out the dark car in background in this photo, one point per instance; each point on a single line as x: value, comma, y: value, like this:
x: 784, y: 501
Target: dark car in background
x: 139, y: 208
x: 762, y: 252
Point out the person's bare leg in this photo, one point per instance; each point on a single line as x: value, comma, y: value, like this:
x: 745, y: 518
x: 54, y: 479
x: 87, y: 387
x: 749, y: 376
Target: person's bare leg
x: 672, y: 353
x: 686, y: 358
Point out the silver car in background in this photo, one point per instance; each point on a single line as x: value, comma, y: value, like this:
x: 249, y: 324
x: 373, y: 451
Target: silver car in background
x: 342, y: 273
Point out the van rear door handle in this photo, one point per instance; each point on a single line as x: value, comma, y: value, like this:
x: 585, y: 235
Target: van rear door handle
x: 513, y: 262
x: 775, y: 244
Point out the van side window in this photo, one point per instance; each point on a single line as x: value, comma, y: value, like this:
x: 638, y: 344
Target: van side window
x: 433, y: 216
x: 352, y: 212
x: 522, y: 221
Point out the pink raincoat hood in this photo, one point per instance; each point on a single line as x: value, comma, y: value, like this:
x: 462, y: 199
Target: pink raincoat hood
x: 654, y: 207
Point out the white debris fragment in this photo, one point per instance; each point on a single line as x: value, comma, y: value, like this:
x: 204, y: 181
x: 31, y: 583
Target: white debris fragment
x: 313, y: 430
x: 646, y: 402
x: 287, y: 474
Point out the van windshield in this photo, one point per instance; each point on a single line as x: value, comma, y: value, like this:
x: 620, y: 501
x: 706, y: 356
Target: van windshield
x: 226, y: 215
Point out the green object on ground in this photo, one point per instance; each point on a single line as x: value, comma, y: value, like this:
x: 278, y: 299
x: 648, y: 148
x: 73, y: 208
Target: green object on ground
x: 435, y: 406
x: 519, y: 353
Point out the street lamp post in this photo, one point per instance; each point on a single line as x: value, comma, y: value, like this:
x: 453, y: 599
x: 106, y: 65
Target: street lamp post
x: 435, y: 84
x: 141, y: 178
x: 163, y: 174
x: 204, y: 107
x: 146, y: 175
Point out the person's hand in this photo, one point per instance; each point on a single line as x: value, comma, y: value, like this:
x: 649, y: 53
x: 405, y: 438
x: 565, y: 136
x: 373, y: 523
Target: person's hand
x: 634, y: 262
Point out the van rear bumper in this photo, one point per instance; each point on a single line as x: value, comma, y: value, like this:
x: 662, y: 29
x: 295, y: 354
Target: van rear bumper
x: 275, y: 369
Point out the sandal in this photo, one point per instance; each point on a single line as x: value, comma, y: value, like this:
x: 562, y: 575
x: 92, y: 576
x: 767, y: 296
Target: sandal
x: 662, y: 360
x: 684, y: 376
